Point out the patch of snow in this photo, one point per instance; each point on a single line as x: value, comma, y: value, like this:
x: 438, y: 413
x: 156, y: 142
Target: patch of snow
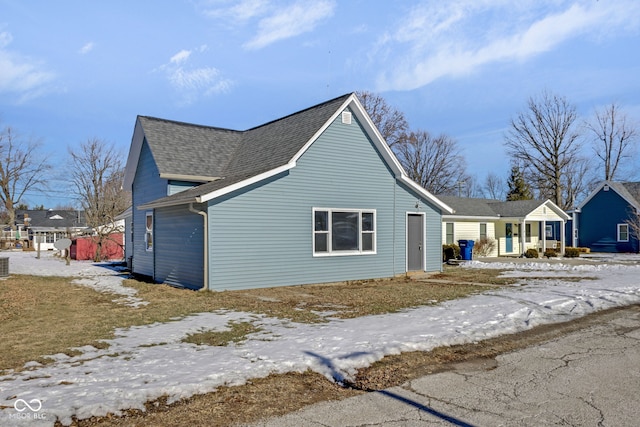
x: 143, y: 363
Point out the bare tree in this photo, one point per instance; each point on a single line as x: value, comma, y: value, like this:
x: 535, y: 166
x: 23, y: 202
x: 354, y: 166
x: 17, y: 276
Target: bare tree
x: 543, y: 139
x: 613, y: 138
x: 97, y: 175
x: 23, y: 169
x: 493, y: 187
x: 434, y: 163
x: 578, y: 181
x: 390, y: 122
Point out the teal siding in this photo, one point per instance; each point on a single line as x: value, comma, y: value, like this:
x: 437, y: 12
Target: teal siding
x: 147, y: 186
x: 179, y: 248
x: 178, y: 186
x: 406, y: 203
x: 262, y: 236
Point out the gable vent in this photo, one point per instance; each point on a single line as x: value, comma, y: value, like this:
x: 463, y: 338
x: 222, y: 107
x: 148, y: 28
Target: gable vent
x: 346, y: 117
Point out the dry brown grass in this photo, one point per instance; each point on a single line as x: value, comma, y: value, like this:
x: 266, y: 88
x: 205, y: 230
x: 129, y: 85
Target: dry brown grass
x: 41, y: 316
x: 48, y: 315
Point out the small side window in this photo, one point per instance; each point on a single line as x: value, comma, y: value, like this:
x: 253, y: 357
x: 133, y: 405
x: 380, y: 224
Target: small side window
x: 148, y: 235
x: 623, y: 232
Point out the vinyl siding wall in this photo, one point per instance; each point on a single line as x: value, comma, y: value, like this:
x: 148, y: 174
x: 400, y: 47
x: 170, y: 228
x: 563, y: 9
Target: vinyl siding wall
x: 147, y: 186
x: 469, y: 230
x: 598, y: 223
x: 179, y: 248
x: 263, y: 236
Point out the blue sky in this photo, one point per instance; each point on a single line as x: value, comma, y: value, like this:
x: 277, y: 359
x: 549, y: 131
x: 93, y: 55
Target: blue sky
x: 75, y: 70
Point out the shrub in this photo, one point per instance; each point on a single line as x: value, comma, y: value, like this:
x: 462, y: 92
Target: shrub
x: 550, y: 253
x: 531, y: 253
x: 572, y: 252
x: 450, y: 252
x: 484, y: 246
x: 584, y: 250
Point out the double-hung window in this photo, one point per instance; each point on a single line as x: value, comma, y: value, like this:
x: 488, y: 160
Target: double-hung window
x: 623, y: 232
x: 344, y: 231
x: 449, y: 233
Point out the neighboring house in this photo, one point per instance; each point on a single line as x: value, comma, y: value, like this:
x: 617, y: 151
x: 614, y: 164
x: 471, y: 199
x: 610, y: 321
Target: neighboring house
x: 48, y: 226
x: 601, y: 221
x: 313, y: 197
x: 515, y: 226
x: 125, y: 219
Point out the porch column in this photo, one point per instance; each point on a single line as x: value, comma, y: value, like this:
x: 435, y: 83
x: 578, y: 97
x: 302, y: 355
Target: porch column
x: 562, y: 237
x: 523, y: 236
x: 543, y: 236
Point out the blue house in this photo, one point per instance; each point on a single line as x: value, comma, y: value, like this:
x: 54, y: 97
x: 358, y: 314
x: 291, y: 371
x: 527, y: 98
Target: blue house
x: 602, y: 222
x: 313, y: 197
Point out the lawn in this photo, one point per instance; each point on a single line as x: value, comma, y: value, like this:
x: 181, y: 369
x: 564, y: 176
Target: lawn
x: 49, y: 315
x: 41, y: 316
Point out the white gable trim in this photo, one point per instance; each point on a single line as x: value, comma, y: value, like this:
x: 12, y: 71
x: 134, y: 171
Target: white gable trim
x: 433, y: 199
x: 241, y: 184
x: 134, y: 156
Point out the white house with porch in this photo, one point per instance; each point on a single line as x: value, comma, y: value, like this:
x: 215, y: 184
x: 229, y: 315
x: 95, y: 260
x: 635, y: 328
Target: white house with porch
x: 514, y: 226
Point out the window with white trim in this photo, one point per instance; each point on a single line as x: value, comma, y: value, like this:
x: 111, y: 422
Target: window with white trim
x: 148, y: 234
x: 344, y: 231
x: 449, y: 233
x: 623, y: 232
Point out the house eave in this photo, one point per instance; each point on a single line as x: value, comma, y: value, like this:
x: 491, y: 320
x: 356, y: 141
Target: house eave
x: 470, y: 218
x: 191, y: 178
x: 430, y: 197
x: 244, y: 183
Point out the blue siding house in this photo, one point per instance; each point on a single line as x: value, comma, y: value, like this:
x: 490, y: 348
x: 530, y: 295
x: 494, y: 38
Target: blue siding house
x: 313, y: 197
x: 602, y: 222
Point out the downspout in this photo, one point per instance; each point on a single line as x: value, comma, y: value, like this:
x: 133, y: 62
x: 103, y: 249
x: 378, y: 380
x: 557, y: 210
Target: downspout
x: 205, y: 285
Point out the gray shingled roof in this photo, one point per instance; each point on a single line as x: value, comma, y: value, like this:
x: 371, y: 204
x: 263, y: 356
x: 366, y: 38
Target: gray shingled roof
x: 52, y: 219
x: 628, y: 190
x: 464, y: 206
x: 193, y: 150
x: 515, y: 208
x: 187, y: 149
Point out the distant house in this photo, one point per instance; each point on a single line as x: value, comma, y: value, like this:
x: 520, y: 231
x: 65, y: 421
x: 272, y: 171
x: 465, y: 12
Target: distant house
x: 125, y: 220
x: 515, y: 226
x: 313, y: 197
x: 48, y: 226
x: 601, y: 221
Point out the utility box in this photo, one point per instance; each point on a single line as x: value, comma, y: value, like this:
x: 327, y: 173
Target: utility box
x: 4, y: 267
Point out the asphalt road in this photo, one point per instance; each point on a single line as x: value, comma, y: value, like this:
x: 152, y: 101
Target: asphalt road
x: 586, y: 378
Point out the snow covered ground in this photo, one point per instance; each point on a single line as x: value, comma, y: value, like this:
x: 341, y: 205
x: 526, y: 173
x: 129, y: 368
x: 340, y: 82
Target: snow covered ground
x: 146, y: 362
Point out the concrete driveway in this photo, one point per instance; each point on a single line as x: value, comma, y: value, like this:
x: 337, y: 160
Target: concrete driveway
x: 585, y: 378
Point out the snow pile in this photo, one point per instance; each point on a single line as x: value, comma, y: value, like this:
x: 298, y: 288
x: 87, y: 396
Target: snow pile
x: 146, y: 362
x: 103, y: 277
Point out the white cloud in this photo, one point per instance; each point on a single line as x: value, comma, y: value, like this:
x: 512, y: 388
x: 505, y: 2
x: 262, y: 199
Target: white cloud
x: 456, y: 38
x: 20, y: 76
x: 88, y: 47
x: 193, y: 82
x: 180, y: 57
x: 240, y: 10
x: 289, y: 22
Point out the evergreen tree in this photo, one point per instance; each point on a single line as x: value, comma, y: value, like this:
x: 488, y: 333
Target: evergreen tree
x: 518, y: 188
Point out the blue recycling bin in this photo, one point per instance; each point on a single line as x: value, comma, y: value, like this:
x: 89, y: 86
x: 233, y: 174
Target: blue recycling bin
x: 466, y: 249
